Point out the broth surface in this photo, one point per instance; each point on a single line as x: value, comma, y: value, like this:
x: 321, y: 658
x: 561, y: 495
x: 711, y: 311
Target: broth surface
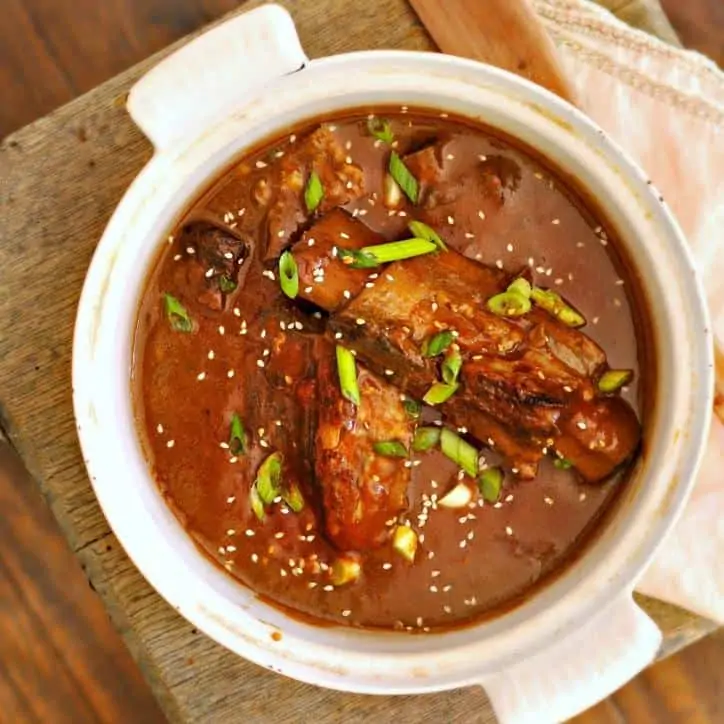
x: 256, y: 356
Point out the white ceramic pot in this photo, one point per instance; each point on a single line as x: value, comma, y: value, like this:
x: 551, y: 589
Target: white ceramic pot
x: 561, y: 650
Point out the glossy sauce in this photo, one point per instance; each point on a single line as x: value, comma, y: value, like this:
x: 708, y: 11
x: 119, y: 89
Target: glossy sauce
x: 256, y: 357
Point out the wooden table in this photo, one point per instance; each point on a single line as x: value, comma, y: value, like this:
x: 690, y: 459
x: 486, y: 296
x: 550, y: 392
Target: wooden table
x: 60, y: 179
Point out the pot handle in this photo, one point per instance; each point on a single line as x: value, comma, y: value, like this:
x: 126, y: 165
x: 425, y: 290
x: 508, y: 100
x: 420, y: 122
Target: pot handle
x: 577, y: 671
x: 205, y: 79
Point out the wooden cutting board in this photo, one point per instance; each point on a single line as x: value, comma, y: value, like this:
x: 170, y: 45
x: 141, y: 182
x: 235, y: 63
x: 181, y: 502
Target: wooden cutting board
x: 60, y: 179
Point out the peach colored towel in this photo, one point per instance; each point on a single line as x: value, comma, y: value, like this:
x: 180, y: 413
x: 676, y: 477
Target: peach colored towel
x: 665, y: 107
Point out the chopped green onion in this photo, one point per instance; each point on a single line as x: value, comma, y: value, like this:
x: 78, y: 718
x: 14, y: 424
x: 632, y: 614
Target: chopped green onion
x: 402, y: 175
x: 521, y: 286
x: 288, y: 274
x: 227, y: 284
x: 490, y: 482
x: 404, y: 541
x: 437, y: 344
x: 380, y: 128
x: 257, y: 504
x: 413, y: 408
x: 292, y: 496
x: 439, y: 392
x: 237, y: 436
x: 554, y: 304
x: 459, y: 451
x: 347, y: 371
x: 397, y: 250
x: 177, y: 315
x: 345, y: 570
x: 451, y: 367
x: 613, y: 380
x: 509, y: 304
x: 425, y: 438
x: 423, y: 231
x: 357, y: 258
x: 562, y: 464
x: 314, y: 193
x: 390, y: 449
x: 268, y: 478
x: 458, y: 497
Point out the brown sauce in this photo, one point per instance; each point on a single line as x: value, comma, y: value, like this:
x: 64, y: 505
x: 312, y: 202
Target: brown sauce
x: 256, y: 354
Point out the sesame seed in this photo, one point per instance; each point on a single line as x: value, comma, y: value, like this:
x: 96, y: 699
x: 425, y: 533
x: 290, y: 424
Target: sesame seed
x: 282, y: 573
x: 211, y: 354
x: 233, y: 459
x: 619, y: 282
x: 547, y: 500
x: 555, y: 222
x: 260, y: 363
x: 471, y: 535
x: 254, y: 558
x: 450, y: 220
x: 209, y: 273
x: 481, y: 214
x: 231, y: 531
x: 595, y: 320
x: 582, y: 497
x: 499, y: 263
x: 387, y: 566
x: 230, y: 374
x: 170, y: 443
x: 450, y: 157
x: 177, y: 257
x: 360, y: 321
x: 279, y: 535
x: 581, y: 425
x: 346, y: 612
x: 447, y: 609
x: 201, y: 376
x: 328, y: 588
x: 389, y: 373
x: 430, y: 555
x: 159, y: 428
x: 549, y: 271
x: 269, y: 274
x: 558, y: 281
x: 508, y: 530
x: 616, y: 302
x: 222, y: 550
x: 190, y: 250
x: 468, y: 235
x: 433, y: 589
x: 230, y: 549
x: 463, y: 543
x: 260, y: 164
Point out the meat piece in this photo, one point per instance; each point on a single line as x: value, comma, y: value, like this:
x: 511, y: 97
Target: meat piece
x: 323, y: 278
x: 342, y: 182
x: 212, y: 259
x: 599, y: 436
x: 526, y: 374
x: 361, y: 490
x: 509, y: 372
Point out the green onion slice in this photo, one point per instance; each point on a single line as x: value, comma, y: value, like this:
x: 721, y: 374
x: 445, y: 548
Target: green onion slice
x: 423, y: 231
x: 406, y: 181
x: 347, y: 371
x: 404, y: 541
x: 227, y: 284
x: 292, y: 496
x: 521, y: 286
x: 268, y: 478
x: 437, y: 344
x: 257, y: 504
x: 451, y: 367
x: 390, y: 449
x: 380, y: 128
x: 554, y: 304
x: 490, y: 481
x: 562, y: 464
x: 509, y: 304
x: 288, y: 274
x: 373, y: 256
x: 314, y: 193
x: 345, y: 570
x: 237, y: 436
x: 613, y: 380
x: 177, y: 315
x: 459, y: 451
x: 439, y: 392
x: 413, y: 408
x: 425, y: 438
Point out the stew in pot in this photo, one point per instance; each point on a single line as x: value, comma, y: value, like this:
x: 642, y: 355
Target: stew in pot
x: 387, y: 370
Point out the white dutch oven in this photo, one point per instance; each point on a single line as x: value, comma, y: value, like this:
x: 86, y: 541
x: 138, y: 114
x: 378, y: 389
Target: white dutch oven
x: 582, y: 636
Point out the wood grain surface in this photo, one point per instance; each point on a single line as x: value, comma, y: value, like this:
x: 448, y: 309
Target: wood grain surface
x: 59, y: 180
x: 503, y: 33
